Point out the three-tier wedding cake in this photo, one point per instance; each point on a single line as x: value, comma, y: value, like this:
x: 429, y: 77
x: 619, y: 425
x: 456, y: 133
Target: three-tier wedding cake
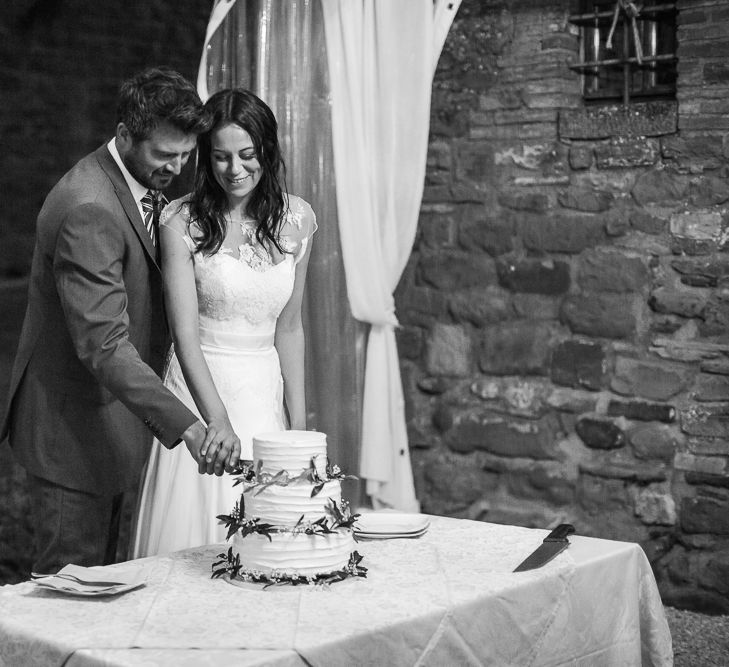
x: 291, y: 524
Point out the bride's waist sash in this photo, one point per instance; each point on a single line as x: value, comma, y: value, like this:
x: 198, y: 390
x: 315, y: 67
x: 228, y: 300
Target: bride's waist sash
x: 235, y: 341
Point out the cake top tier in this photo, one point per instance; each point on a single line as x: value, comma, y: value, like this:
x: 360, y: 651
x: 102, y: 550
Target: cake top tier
x: 291, y: 451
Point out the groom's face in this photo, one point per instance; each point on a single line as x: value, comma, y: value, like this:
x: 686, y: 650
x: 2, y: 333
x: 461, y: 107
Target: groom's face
x: 156, y: 160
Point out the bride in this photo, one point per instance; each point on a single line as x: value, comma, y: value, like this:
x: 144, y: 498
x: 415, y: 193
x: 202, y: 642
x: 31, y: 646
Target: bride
x: 234, y: 257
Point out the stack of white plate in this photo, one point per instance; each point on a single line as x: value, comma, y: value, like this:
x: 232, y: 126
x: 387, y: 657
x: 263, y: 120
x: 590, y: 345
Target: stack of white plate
x: 387, y: 525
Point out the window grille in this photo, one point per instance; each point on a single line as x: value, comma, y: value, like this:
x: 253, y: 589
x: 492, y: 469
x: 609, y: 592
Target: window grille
x: 627, y: 50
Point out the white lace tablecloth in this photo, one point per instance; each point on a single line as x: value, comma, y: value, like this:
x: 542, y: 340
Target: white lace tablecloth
x: 447, y: 598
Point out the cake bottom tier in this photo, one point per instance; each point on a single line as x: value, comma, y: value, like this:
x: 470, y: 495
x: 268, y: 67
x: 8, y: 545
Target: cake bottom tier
x: 294, y: 553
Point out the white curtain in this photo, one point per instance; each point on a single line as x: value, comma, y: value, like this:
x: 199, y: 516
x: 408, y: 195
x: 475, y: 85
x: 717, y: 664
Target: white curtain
x: 381, y: 55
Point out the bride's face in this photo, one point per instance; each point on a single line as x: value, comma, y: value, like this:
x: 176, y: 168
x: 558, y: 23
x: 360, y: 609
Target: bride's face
x: 234, y: 161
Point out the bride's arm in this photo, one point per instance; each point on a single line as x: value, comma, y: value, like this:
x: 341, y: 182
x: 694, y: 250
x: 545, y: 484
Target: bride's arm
x: 221, y: 443
x: 290, y: 343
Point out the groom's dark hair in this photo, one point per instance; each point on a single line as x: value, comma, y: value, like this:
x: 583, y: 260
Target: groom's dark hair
x: 156, y: 95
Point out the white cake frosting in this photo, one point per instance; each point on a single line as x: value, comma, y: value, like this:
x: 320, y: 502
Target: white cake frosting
x: 298, y: 504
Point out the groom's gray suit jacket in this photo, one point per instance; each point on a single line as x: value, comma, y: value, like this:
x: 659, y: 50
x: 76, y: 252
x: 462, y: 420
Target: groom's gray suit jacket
x: 85, y: 395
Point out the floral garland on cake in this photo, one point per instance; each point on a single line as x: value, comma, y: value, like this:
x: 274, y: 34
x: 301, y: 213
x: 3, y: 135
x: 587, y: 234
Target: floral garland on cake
x: 335, y: 518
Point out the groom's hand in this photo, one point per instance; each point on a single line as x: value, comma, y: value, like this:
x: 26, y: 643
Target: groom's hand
x: 221, y: 448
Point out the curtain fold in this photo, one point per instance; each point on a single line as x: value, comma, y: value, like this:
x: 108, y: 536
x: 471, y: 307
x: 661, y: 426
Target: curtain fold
x: 381, y: 56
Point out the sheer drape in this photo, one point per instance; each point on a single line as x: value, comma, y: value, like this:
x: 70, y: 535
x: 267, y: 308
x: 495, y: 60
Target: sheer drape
x: 382, y: 55
x: 276, y: 48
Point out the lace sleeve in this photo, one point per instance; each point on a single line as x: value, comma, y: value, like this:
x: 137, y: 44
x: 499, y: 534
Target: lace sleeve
x: 175, y: 216
x: 298, y: 228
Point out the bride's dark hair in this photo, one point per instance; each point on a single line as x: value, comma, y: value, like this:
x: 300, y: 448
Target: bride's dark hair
x: 266, y: 204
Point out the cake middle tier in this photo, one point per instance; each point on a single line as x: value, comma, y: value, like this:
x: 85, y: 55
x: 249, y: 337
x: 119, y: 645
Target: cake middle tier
x: 285, y: 505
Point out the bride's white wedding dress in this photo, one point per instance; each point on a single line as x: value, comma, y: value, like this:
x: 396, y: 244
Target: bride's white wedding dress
x: 239, y: 300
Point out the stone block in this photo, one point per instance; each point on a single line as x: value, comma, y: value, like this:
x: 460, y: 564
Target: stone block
x: 579, y: 364
x: 693, y: 153
x: 536, y: 306
x: 433, y: 385
x: 580, y: 156
x: 702, y: 271
x: 480, y: 306
x: 534, y: 276
x: 642, y: 411
x: 699, y: 420
x: 708, y: 387
x: 437, y: 230
x: 705, y: 514
x: 653, y: 442
x: 561, y: 232
x: 655, y: 507
x: 644, y: 222
x: 585, y: 199
x: 571, y: 401
x: 625, y: 470
x: 713, y: 573
x: 409, y: 341
x: 600, y: 433
x: 518, y: 200
x: 716, y: 73
x: 596, y: 494
x: 456, y: 482
x: 703, y: 479
x: 489, y: 234
x: 513, y: 395
x: 657, y: 381
x: 627, y: 153
x: 659, y: 186
x: 708, y: 446
x: 708, y: 191
x: 511, y: 348
x: 449, y: 270
x: 717, y: 366
x: 448, y: 351
x: 542, y: 484
x: 474, y: 163
x: 697, y: 225
x: 712, y: 49
x: 419, y: 305
x: 604, y: 122
x: 601, y: 271
x: 683, y: 302
x: 600, y: 315
x: 706, y: 465
x: 509, y: 437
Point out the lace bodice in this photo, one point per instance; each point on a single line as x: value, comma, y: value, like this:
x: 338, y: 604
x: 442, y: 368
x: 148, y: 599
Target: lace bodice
x: 245, y: 293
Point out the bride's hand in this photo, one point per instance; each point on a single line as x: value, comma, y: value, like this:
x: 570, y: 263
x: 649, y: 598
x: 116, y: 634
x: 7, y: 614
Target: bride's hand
x: 220, y: 449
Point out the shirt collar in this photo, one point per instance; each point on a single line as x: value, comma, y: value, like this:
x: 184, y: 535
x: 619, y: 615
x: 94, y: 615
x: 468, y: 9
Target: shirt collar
x: 136, y: 188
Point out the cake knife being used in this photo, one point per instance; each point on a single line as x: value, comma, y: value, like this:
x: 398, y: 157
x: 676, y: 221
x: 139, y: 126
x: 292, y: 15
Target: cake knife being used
x: 553, y: 544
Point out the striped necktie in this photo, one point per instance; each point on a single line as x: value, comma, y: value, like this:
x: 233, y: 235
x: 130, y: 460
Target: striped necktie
x: 152, y: 204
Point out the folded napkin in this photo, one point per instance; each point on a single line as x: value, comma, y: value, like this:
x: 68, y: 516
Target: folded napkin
x: 90, y: 581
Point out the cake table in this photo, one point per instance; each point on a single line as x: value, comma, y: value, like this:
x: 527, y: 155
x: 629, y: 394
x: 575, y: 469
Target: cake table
x: 446, y: 598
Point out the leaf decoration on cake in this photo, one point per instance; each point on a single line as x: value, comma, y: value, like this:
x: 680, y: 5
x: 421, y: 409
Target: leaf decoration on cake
x: 281, y: 478
x: 229, y: 564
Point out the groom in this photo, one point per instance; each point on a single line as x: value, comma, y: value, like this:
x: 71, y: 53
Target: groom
x: 85, y: 394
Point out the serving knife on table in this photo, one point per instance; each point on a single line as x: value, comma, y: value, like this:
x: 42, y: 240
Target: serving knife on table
x: 553, y: 544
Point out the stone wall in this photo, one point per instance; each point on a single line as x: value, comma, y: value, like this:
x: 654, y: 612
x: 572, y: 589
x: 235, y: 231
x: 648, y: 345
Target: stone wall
x: 564, y: 343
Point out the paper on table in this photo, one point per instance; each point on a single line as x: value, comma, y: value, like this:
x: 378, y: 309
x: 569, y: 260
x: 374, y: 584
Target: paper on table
x: 386, y: 522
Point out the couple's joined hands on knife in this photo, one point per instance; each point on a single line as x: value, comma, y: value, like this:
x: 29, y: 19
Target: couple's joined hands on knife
x: 215, y: 448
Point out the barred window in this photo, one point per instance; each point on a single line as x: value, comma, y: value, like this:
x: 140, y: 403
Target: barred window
x: 627, y: 50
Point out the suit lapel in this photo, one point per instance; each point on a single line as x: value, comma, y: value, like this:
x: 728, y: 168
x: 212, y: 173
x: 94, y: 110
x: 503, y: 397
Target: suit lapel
x: 126, y: 200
